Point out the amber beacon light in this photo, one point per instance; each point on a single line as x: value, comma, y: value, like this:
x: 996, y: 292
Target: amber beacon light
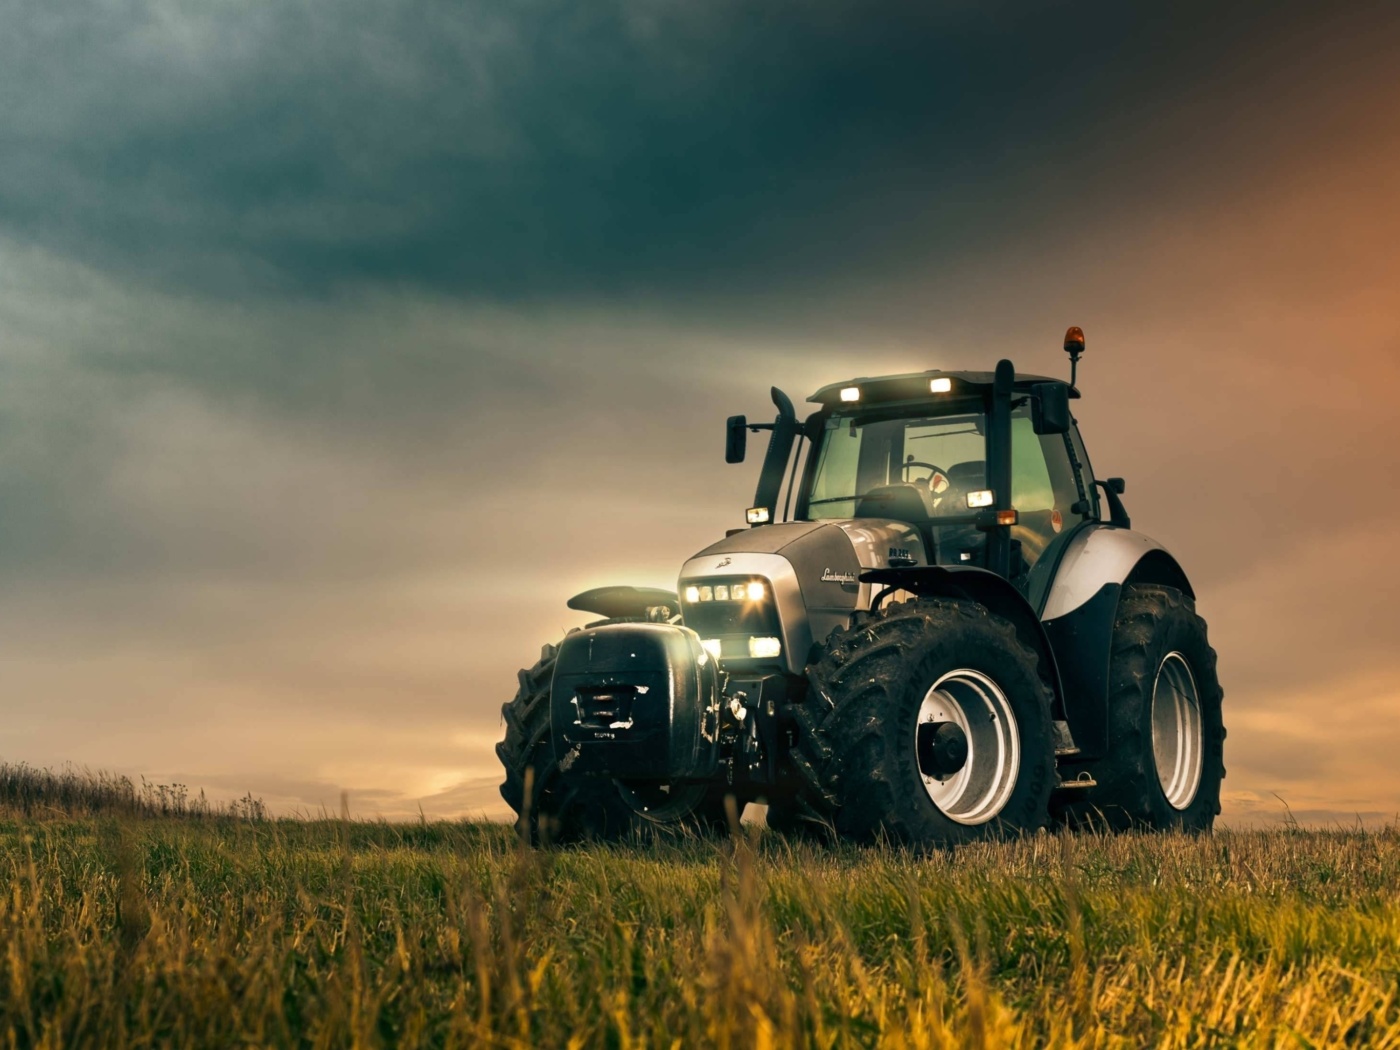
x: 1074, y: 346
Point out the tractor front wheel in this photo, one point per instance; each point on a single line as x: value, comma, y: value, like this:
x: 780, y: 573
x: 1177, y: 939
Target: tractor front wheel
x: 934, y: 726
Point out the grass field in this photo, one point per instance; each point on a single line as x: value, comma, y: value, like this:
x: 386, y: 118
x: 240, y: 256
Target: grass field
x: 212, y: 928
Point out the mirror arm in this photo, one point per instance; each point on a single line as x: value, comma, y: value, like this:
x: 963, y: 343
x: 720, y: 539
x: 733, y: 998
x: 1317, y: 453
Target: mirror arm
x: 1117, y: 513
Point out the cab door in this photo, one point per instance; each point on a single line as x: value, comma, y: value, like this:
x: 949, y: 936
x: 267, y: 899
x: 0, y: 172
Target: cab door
x: 1052, y: 500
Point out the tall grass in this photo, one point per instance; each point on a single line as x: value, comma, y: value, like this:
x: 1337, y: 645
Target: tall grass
x: 119, y: 931
x: 26, y: 791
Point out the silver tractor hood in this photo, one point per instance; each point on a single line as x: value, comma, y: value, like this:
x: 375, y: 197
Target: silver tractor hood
x: 811, y: 572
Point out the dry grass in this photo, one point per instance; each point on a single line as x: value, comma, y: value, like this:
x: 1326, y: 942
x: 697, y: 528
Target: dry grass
x: 29, y: 792
x: 130, y: 931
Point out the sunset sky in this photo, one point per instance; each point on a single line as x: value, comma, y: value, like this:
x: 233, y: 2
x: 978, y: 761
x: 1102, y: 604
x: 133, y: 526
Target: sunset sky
x: 341, y: 343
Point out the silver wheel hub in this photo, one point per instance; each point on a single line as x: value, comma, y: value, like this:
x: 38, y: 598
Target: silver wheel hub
x: 1178, y: 732
x: 978, y: 791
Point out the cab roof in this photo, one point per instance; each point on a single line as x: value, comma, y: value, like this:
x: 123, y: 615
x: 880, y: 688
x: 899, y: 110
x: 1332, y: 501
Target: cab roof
x: 914, y: 386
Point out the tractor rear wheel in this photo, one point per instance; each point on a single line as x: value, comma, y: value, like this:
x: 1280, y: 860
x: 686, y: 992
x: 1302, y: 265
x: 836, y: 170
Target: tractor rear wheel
x: 1166, y: 737
x: 553, y: 807
x: 928, y: 723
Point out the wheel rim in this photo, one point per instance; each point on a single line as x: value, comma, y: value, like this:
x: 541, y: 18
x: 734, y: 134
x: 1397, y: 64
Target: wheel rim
x: 1178, y: 734
x: 979, y: 791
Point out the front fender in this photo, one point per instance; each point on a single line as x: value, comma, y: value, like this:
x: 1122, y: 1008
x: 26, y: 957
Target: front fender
x: 986, y: 588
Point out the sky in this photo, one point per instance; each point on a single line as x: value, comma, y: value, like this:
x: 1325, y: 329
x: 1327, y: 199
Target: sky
x: 341, y: 343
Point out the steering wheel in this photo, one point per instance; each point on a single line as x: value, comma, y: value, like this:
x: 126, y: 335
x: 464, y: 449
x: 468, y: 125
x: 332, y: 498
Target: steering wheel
x: 935, y: 472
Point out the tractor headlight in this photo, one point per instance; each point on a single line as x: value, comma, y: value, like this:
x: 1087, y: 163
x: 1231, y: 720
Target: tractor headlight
x: 765, y: 648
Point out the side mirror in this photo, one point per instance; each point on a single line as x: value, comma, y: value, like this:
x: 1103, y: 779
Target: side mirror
x: 1050, y: 408
x: 736, y: 439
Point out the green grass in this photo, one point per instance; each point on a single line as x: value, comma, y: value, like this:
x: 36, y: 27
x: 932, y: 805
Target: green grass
x: 131, y: 930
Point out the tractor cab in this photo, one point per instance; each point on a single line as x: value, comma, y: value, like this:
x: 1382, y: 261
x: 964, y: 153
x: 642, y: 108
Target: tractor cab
x: 916, y: 448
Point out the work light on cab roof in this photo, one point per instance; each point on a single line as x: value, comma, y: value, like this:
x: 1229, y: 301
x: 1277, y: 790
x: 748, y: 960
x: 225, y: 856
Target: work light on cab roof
x: 939, y: 626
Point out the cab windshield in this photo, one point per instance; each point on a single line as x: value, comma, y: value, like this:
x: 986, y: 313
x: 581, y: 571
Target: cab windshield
x: 920, y: 469
x: 944, y: 456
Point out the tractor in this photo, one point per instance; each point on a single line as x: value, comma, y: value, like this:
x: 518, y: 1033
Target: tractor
x: 953, y: 633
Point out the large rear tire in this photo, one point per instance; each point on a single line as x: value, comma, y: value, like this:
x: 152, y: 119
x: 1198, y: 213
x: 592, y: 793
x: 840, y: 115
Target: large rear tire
x: 1166, y: 733
x: 553, y: 807
x: 934, y: 659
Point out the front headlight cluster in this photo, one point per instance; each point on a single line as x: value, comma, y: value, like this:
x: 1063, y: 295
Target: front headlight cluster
x: 751, y: 591
x: 735, y: 617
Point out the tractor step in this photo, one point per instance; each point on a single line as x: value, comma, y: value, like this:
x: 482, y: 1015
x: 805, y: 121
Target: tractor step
x: 1084, y: 780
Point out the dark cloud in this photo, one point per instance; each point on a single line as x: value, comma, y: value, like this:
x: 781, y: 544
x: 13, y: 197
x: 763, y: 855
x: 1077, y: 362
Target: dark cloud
x: 545, y: 148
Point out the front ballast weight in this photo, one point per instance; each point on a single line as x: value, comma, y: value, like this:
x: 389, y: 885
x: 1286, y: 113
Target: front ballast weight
x: 636, y: 701
x: 950, y: 637
x: 598, y: 751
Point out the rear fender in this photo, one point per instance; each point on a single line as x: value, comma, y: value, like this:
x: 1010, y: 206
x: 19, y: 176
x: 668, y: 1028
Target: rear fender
x: 986, y: 588
x: 1081, y: 609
